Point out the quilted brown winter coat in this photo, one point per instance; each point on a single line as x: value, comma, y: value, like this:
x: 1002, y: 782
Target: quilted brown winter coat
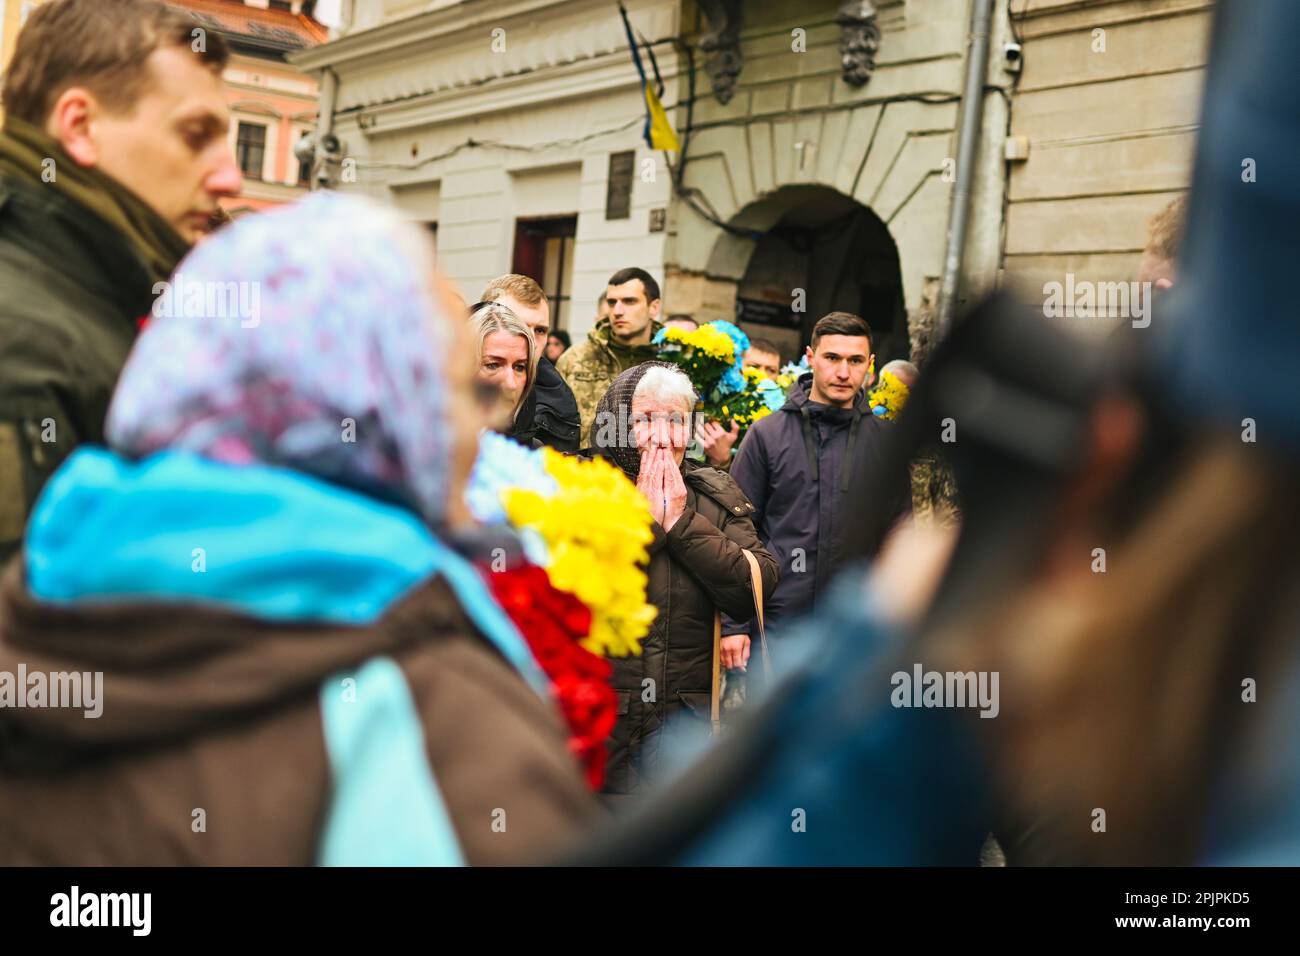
x: 696, y: 569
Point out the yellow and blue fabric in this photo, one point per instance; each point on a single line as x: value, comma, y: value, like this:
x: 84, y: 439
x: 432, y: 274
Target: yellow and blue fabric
x: 658, y: 131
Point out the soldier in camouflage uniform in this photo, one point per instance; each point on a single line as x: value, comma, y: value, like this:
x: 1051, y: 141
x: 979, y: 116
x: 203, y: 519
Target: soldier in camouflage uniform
x: 620, y: 340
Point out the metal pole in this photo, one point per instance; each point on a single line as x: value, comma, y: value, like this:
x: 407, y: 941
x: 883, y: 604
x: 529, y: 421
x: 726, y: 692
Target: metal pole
x: 329, y: 88
x: 972, y: 113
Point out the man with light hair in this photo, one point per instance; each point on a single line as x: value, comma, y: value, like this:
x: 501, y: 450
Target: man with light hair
x: 549, y: 415
x: 1159, y: 264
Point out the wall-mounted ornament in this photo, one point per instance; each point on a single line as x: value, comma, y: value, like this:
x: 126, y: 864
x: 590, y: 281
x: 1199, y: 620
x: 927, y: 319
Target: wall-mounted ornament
x: 722, y: 46
x: 859, y: 41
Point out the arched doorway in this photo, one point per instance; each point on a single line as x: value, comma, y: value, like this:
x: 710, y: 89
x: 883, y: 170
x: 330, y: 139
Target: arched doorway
x: 811, y: 246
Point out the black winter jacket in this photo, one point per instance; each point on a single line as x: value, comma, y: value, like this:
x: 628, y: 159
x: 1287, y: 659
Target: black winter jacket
x: 549, y: 415
x: 791, y: 465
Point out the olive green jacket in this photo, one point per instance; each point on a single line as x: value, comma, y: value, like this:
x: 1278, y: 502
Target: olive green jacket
x: 72, y: 292
x: 589, y: 367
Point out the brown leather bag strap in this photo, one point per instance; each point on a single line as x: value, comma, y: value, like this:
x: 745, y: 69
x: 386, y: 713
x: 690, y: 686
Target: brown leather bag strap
x: 715, y: 688
x: 756, y: 584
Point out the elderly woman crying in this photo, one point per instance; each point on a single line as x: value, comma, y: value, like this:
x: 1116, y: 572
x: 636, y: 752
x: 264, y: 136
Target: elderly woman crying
x: 698, y: 564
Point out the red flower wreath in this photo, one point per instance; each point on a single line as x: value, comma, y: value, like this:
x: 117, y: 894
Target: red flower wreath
x: 553, y: 622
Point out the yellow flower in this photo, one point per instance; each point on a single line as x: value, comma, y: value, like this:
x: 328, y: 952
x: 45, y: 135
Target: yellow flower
x: 711, y: 342
x: 596, y: 527
x: 890, y: 394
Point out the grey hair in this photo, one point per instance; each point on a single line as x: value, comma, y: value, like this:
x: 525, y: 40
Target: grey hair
x: 903, y: 369
x: 667, y: 385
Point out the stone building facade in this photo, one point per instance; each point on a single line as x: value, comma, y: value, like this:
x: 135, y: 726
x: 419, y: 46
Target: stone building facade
x: 818, y: 140
x: 512, y: 130
x: 1108, y: 106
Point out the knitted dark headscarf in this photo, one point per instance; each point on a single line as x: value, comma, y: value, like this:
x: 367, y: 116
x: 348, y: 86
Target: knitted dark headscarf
x: 611, y: 431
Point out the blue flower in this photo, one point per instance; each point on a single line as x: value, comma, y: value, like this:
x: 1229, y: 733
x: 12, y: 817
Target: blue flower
x: 503, y: 464
x: 771, y: 393
x: 732, y: 381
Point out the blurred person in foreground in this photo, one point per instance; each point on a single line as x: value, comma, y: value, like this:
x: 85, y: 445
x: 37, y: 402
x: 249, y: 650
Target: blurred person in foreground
x: 113, y: 158
x: 701, y: 528
x: 549, y: 413
x: 1164, y: 690
x: 264, y: 566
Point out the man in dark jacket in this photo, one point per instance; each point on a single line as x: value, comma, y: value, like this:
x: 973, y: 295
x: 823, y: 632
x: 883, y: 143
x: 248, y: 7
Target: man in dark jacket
x: 799, y: 466
x: 113, y: 157
x: 549, y: 414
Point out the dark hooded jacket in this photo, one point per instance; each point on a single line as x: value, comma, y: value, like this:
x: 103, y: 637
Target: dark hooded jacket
x: 549, y: 415
x: 791, y: 465
x: 696, y: 569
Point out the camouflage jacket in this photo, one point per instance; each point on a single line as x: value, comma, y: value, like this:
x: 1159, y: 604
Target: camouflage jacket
x: 934, y: 492
x: 589, y: 367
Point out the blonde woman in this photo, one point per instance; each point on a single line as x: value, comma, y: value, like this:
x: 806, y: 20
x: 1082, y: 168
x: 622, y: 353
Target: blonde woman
x: 507, y: 361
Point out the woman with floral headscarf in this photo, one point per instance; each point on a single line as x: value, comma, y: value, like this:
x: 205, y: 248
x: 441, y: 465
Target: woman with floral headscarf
x: 285, y: 660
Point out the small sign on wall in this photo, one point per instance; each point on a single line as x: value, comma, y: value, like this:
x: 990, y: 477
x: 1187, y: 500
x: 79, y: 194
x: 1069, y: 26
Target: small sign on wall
x: 618, y: 192
x: 658, y: 217
x: 761, y: 312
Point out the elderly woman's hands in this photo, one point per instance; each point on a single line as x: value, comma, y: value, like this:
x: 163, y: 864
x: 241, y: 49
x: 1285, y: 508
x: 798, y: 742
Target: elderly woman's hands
x: 674, y: 491
x: 660, y: 480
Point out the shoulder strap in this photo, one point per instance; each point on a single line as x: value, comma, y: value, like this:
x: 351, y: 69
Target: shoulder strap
x: 756, y: 584
x: 715, y: 688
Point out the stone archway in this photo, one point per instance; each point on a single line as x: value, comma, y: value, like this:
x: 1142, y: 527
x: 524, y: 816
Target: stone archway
x: 802, y: 251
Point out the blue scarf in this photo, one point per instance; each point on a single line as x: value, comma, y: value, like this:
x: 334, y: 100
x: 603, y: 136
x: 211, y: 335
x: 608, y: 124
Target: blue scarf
x: 278, y: 545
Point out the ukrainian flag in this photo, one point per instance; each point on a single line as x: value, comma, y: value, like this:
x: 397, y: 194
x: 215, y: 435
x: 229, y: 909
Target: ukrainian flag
x: 658, y: 131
